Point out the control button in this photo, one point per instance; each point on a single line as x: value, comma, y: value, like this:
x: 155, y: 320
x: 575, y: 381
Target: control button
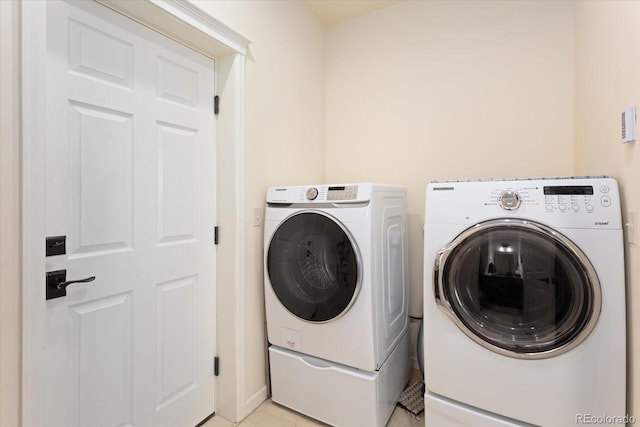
x: 606, y: 201
x: 312, y: 193
x: 549, y: 207
x: 604, y: 189
x: 509, y: 200
x: 575, y: 208
x: 589, y: 208
x: 562, y: 208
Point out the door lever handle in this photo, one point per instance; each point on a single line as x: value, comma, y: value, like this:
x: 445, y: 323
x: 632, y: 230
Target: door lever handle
x: 56, y: 283
x: 66, y: 283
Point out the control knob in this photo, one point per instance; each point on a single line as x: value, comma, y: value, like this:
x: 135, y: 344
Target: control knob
x: 312, y: 193
x: 509, y: 200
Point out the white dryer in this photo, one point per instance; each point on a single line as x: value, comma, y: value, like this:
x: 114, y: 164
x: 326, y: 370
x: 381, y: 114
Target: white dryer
x: 524, y: 303
x: 336, y: 299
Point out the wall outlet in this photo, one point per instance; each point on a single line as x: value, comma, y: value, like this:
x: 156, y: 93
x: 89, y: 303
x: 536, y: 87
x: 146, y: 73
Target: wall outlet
x: 257, y: 217
x: 629, y: 124
x: 631, y: 226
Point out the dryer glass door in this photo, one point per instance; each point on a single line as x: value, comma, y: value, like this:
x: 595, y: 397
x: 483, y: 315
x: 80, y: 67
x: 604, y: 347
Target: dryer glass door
x: 518, y: 288
x: 313, y: 266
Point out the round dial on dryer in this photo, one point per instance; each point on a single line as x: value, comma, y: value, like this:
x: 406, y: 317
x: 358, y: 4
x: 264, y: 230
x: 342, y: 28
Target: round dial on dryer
x: 312, y: 193
x: 509, y: 200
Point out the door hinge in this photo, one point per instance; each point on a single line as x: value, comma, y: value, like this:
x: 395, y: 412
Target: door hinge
x: 216, y: 366
x: 216, y: 105
x: 215, y: 235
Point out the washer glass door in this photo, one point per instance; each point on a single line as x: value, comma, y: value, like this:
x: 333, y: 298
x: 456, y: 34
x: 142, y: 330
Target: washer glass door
x: 518, y: 288
x: 313, y: 266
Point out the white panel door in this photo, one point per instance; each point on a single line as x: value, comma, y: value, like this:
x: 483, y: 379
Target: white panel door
x: 130, y: 182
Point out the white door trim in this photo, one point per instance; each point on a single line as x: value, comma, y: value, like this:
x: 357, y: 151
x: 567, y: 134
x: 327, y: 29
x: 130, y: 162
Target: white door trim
x: 185, y: 19
x: 191, y: 26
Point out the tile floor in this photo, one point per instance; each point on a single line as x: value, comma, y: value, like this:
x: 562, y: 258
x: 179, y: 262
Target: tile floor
x: 270, y: 414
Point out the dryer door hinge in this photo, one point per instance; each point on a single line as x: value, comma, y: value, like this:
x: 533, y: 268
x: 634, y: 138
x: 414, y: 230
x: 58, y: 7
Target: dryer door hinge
x: 216, y: 105
x: 215, y: 235
x: 216, y: 366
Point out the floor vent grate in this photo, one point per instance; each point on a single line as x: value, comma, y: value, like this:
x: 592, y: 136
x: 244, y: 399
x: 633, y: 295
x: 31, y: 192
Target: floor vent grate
x: 412, y: 399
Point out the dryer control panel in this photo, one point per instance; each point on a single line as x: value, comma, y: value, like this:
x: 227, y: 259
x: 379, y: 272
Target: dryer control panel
x: 557, y: 198
x: 575, y: 198
x: 575, y: 202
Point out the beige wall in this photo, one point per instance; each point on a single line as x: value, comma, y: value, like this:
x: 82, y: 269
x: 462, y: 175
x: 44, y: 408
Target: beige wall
x: 284, y: 135
x: 9, y: 218
x: 439, y: 90
x: 607, y: 79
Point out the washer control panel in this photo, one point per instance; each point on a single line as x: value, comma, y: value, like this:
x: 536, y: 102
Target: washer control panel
x: 317, y: 194
x: 335, y: 193
x: 347, y: 192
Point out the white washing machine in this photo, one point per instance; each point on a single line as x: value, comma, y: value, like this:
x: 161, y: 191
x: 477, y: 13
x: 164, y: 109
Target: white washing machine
x: 524, y: 303
x: 336, y: 299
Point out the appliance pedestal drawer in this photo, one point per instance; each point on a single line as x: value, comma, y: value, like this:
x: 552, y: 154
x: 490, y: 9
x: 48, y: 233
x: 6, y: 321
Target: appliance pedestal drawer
x: 337, y: 394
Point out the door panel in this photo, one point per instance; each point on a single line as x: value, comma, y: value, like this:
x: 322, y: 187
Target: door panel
x: 176, y: 339
x: 177, y: 183
x: 100, y: 333
x: 130, y: 181
x: 176, y: 83
x: 101, y: 143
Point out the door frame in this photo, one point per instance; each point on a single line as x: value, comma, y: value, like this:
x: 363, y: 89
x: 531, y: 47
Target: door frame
x: 191, y: 26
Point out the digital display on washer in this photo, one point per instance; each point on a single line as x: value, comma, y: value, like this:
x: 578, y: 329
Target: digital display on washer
x: 347, y: 192
x: 568, y: 190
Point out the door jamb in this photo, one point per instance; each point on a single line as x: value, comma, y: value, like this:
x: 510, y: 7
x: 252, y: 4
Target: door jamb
x: 189, y: 25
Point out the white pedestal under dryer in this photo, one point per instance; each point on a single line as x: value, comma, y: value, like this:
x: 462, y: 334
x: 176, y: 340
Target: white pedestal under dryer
x: 524, y: 303
x: 336, y: 299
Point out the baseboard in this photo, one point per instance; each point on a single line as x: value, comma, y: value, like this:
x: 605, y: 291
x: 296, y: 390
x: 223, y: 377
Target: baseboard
x: 254, y: 401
